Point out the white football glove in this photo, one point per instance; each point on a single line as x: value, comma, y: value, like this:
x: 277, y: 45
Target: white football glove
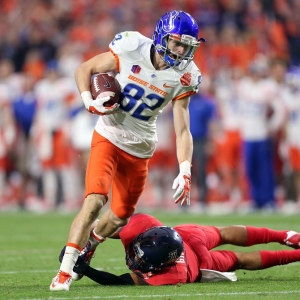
x: 182, y: 184
x: 96, y: 106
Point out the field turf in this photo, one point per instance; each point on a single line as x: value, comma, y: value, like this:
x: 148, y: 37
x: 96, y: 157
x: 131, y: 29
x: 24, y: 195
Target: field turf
x: 30, y: 245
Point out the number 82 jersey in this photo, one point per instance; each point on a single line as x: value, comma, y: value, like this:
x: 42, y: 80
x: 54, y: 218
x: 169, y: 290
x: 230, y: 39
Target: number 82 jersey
x: 145, y: 92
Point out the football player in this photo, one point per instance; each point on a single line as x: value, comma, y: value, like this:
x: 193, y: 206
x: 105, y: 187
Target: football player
x: 152, y: 73
x: 160, y: 255
x: 290, y: 98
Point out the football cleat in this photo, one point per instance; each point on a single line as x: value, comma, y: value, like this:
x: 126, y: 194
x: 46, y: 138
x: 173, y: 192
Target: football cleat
x: 292, y: 239
x: 61, y: 282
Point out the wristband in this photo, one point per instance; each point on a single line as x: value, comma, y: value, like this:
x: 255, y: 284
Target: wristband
x: 86, y: 98
x: 185, y: 167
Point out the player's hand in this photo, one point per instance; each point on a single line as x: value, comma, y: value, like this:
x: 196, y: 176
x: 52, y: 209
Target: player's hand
x: 97, y: 107
x: 182, y: 184
x: 80, y: 266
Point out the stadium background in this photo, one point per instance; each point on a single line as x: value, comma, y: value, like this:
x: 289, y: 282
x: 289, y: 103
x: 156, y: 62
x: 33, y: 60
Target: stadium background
x: 43, y: 155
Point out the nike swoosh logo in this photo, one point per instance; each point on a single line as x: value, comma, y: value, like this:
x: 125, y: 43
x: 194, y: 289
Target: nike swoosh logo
x: 167, y: 86
x: 107, y: 83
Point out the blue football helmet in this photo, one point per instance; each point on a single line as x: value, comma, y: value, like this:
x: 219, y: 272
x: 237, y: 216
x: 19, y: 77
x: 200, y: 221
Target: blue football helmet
x: 157, y: 248
x: 180, y: 27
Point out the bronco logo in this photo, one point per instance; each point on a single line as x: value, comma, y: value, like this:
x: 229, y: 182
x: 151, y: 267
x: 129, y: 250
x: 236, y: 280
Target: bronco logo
x: 170, y: 25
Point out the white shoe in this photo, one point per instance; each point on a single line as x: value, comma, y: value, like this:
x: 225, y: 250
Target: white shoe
x: 61, y: 282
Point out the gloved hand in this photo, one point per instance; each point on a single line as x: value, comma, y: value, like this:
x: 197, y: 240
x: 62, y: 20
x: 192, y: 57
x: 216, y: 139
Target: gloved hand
x: 96, y: 106
x: 80, y: 266
x: 182, y: 184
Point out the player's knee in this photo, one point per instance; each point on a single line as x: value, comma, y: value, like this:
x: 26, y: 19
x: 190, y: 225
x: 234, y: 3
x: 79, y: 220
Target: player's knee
x: 118, y: 221
x: 123, y: 212
x: 93, y: 204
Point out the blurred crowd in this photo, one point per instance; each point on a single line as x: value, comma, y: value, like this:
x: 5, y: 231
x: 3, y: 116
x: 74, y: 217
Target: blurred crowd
x: 245, y: 119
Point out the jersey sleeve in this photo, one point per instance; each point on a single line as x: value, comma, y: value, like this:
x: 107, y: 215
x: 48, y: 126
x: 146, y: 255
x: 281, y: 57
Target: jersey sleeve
x: 188, y: 83
x: 172, y: 276
x: 126, y: 41
x: 137, y: 224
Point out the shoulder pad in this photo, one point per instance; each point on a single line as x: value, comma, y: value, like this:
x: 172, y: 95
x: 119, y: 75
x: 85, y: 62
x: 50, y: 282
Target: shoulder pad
x: 125, y: 41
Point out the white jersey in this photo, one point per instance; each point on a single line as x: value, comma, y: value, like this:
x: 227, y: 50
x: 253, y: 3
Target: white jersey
x: 256, y: 100
x: 52, y: 111
x: 291, y: 100
x: 228, y: 105
x: 146, y: 91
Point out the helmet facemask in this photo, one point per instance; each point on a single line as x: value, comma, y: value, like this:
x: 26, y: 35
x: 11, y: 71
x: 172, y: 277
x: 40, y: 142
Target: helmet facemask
x: 173, y: 59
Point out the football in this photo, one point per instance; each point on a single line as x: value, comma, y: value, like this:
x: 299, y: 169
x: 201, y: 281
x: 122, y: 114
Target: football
x: 105, y: 85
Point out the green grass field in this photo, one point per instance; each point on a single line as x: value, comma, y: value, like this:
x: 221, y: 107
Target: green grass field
x: 30, y: 245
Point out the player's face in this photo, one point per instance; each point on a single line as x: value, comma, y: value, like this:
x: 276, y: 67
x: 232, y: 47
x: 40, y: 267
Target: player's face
x: 177, y: 47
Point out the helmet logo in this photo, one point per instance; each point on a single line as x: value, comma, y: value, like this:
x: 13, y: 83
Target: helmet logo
x: 173, y: 255
x: 170, y: 25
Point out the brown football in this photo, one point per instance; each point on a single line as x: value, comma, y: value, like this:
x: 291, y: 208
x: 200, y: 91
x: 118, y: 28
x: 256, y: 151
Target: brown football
x: 106, y: 85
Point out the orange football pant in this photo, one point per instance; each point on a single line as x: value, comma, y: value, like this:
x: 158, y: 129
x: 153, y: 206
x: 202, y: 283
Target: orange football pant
x: 110, y: 167
x: 294, y: 158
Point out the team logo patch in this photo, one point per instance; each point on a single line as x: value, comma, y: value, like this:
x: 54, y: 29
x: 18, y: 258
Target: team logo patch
x: 186, y: 79
x: 136, y: 69
x: 107, y: 84
x: 171, y: 20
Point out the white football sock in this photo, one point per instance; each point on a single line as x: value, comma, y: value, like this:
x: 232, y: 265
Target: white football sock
x: 95, y: 239
x: 69, y: 260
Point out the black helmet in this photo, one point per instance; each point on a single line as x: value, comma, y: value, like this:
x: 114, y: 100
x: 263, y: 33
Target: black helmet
x: 154, y: 249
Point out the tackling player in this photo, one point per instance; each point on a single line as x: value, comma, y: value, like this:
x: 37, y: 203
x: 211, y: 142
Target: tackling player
x: 160, y: 255
x: 152, y: 73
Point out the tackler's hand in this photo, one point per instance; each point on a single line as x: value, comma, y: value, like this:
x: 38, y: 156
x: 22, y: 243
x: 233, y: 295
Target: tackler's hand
x: 182, y: 184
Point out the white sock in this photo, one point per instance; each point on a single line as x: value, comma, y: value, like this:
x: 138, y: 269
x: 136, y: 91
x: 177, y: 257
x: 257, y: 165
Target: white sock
x: 95, y: 239
x: 69, y: 260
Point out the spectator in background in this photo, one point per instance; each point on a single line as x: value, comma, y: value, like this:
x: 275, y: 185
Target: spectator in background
x: 10, y: 83
x: 202, y: 119
x: 163, y: 164
x: 7, y: 128
x: 51, y: 135
x: 258, y: 96
x: 291, y: 100
x: 228, y: 142
x: 24, y: 109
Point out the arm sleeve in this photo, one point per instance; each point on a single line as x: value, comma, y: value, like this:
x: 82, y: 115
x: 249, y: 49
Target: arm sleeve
x: 105, y: 278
